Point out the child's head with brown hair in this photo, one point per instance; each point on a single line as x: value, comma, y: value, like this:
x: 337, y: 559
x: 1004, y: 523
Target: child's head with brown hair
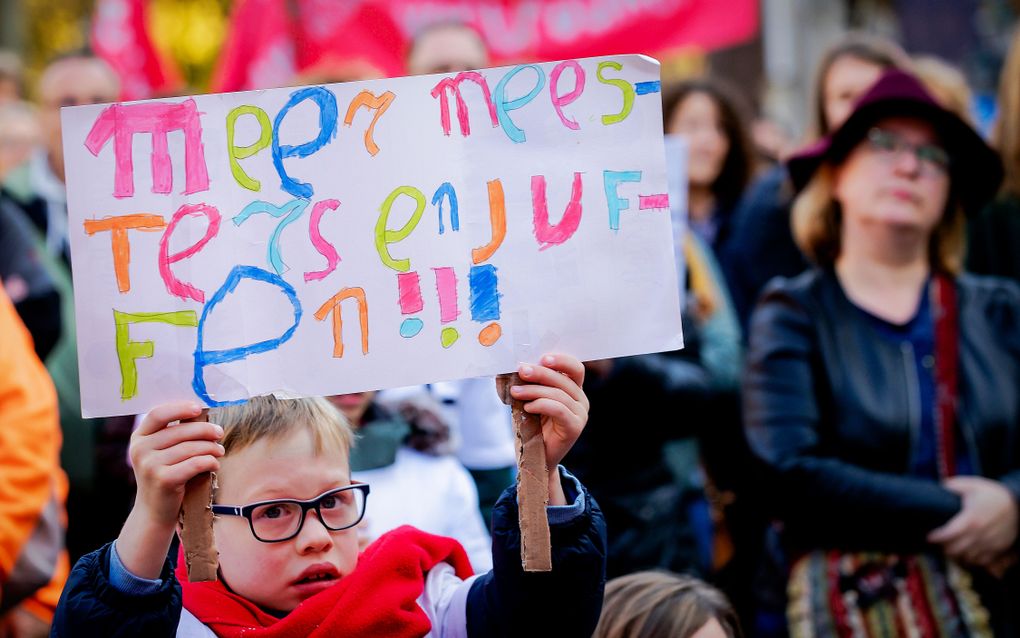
x: 278, y: 554
x: 656, y: 604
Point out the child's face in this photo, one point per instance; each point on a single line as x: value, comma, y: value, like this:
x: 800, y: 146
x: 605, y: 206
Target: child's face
x: 273, y: 575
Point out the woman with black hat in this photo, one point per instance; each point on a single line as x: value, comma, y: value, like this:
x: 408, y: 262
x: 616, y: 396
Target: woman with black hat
x: 883, y: 387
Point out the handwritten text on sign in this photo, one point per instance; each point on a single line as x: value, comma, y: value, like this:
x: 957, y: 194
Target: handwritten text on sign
x: 338, y: 238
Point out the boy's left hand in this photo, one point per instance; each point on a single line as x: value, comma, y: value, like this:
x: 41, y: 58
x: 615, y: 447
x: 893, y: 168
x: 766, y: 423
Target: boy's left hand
x: 554, y: 393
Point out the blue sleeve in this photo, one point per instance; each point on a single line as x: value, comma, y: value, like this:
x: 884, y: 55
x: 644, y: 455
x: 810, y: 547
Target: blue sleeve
x: 572, y: 489
x: 126, y: 582
x: 92, y: 605
x: 502, y: 602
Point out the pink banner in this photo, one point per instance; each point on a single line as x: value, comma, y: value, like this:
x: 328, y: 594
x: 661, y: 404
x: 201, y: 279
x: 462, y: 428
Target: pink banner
x: 272, y: 37
x: 120, y: 36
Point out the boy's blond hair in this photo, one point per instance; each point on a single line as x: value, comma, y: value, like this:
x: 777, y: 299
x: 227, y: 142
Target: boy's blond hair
x: 270, y: 418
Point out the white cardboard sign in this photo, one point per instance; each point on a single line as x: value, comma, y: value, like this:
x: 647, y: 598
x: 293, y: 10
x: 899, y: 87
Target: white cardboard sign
x: 346, y: 237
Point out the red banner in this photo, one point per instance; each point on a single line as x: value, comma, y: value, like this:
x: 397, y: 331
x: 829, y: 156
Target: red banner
x: 120, y: 36
x: 267, y: 35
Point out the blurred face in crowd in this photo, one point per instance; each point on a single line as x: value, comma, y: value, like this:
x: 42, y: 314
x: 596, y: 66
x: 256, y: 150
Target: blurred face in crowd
x: 71, y: 82
x: 331, y: 70
x: 19, y: 134
x: 847, y: 79
x: 353, y: 405
x: 281, y: 575
x: 699, y: 120
x: 896, y: 179
x: 447, y: 49
x: 9, y: 91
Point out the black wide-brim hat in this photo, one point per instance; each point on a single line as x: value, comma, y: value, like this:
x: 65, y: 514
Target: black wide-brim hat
x: 975, y: 169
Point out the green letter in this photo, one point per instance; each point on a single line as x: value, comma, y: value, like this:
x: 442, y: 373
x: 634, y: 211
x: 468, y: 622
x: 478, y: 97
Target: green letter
x: 384, y: 237
x: 623, y: 85
x: 128, y: 351
x: 241, y: 152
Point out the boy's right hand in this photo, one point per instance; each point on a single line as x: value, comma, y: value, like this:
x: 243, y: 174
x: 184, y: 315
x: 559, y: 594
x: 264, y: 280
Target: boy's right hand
x: 166, y: 457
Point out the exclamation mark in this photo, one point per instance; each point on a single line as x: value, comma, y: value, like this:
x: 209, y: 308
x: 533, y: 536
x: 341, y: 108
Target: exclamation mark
x: 409, y: 290
x: 446, y: 286
x: 485, y: 302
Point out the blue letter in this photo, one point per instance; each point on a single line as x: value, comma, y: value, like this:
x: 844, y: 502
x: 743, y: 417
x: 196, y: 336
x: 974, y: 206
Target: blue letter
x: 447, y: 189
x: 484, y: 293
x: 291, y: 209
x: 327, y: 131
x: 502, y: 106
x: 205, y: 357
x: 612, y: 180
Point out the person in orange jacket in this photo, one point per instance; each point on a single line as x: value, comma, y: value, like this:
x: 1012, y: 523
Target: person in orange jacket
x: 33, y: 561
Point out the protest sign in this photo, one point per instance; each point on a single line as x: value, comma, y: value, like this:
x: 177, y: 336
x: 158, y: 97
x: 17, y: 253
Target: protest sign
x: 339, y: 238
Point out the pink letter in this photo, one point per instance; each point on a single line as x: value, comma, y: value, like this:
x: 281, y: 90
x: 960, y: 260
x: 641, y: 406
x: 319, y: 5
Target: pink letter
x: 122, y: 121
x: 453, y: 84
x: 650, y: 202
x: 559, y: 101
x: 446, y: 286
x: 174, y: 285
x: 409, y: 291
x: 553, y: 235
x: 325, y: 248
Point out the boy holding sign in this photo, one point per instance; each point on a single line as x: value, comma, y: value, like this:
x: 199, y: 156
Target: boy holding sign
x: 293, y: 569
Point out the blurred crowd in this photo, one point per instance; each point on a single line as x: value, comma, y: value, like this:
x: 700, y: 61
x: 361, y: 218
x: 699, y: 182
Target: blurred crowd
x: 842, y: 426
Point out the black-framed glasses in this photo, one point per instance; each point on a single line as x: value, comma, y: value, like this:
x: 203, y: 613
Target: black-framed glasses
x: 933, y: 159
x: 282, y: 519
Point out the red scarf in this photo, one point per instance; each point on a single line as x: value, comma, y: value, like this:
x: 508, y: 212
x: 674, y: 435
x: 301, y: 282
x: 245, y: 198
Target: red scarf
x: 377, y: 599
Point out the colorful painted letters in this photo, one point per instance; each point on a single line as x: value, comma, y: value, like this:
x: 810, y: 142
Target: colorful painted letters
x: 442, y: 255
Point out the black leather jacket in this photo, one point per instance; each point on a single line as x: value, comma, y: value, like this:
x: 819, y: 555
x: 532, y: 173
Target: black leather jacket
x: 832, y: 408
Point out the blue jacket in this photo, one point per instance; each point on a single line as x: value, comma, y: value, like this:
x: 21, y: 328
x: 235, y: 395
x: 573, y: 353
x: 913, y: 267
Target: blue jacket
x: 500, y: 603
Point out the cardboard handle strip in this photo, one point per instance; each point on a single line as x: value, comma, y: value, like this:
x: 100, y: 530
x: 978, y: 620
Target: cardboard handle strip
x: 197, y: 523
x: 532, y: 481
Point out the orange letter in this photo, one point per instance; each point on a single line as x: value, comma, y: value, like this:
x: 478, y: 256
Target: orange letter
x: 497, y: 217
x: 118, y: 227
x: 334, y: 305
x: 368, y: 100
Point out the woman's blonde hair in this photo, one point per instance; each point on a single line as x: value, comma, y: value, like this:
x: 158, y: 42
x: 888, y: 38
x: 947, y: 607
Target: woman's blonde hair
x: 655, y: 604
x: 816, y: 220
x: 270, y: 418
x: 1007, y: 131
x: 946, y: 83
